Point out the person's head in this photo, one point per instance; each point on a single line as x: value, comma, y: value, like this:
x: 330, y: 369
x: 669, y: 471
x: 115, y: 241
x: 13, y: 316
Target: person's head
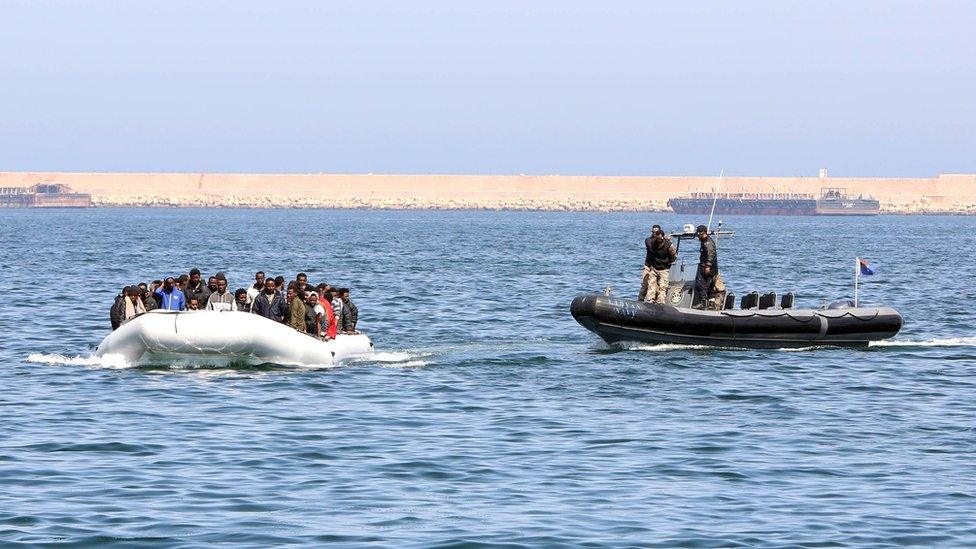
x: 656, y: 230
x: 194, y: 275
x: 311, y: 297
x: 292, y: 292
x: 182, y: 281
x: 344, y: 294
x: 169, y: 283
x: 321, y: 287
x: 279, y: 281
x: 212, y: 283
x: 702, y: 233
x: 194, y: 304
x: 133, y: 293
x: 240, y: 295
x: 221, y: 284
x: 302, y: 278
x: 269, y: 286
x: 259, y: 278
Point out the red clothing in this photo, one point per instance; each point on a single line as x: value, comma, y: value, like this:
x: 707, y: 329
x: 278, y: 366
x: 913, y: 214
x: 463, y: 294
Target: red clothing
x: 333, y: 329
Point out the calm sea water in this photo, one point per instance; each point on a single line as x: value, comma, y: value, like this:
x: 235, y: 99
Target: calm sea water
x: 488, y: 415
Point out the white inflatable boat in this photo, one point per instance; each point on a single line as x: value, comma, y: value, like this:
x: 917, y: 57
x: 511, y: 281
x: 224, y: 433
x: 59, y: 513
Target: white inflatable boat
x: 162, y: 337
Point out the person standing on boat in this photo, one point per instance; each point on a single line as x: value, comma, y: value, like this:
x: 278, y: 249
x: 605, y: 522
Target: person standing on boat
x: 296, y: 308
x: 221, y: 299
x: 255, y: 289
x: 170, y: 297
x: 657, y: 267
x: 269, y: 303
x: 352, y: 311
x: 196, y: 288
x: 711, y: 289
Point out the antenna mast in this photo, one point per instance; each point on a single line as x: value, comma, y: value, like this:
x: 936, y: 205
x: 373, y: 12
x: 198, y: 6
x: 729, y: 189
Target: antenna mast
x: 715, y: 199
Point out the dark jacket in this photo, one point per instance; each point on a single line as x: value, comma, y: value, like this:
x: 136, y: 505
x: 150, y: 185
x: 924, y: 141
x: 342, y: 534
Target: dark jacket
x: 149, y: 302
x: 709, y: 255
x: 350, y: 315
x: 660, y: 253
x: 117, y: 314
x: 276, y: 309
x: 200, y: 291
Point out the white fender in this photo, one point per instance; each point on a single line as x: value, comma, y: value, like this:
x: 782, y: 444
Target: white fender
x: 225, y: 335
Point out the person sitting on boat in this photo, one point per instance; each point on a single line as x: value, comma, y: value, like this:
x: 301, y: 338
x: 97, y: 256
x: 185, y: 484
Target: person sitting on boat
x: 296, y: 308
x: 169, y: 296
x: 710, y: 288
x: 221, y: 299
x: 146, y: 296
x: 269, y: 303
x: 193, y: 305
x: 128, y: 307
x: 657, y: 267
x: 240, y: 300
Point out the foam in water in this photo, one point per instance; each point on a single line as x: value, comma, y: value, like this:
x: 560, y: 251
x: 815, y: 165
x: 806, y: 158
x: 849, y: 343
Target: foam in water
x: 107, y: 361
x: 395, y: 359
x: 941, y: 342
x: 657, y: 347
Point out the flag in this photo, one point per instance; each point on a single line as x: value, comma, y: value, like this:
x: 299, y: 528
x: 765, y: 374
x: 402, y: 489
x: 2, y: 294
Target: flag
x: 867, y: 268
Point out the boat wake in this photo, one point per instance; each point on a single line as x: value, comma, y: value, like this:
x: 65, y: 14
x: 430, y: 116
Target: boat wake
x: 656, y: 347
x: 115, y: 362
x: 939, y: 342
x: 396, y: 359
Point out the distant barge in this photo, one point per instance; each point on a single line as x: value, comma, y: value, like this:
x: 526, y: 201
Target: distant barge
x: 43, y: 195
x: 832, y: 201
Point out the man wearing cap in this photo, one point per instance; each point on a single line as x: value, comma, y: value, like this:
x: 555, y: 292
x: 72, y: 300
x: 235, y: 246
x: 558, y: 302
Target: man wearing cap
x: 711, y: 289
x: 657, y: 267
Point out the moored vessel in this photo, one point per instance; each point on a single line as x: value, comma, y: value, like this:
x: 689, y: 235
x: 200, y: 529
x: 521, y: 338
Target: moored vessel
x: 831, y: 201
x: 48, y: 194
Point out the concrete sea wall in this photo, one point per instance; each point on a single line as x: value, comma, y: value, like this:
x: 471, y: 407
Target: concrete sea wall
x: 944, y: 193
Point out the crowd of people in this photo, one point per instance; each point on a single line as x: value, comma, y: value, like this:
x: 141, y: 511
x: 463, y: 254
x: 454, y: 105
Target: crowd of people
x: 318, y: 310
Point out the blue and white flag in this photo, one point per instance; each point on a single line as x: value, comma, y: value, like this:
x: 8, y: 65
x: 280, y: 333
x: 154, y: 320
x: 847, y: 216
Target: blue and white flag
x: 867, y: 268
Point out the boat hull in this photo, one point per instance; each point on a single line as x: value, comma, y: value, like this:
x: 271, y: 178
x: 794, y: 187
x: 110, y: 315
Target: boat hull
x: 224, y: 337
x: 621, y: 320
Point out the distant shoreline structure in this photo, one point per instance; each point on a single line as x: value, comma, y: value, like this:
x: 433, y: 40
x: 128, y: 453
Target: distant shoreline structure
x: 943, y: 194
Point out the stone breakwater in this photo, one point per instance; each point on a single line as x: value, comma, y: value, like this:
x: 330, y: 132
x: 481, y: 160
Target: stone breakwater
x: 945, y: 193
x: 920, y: 207
x: 398, y: 203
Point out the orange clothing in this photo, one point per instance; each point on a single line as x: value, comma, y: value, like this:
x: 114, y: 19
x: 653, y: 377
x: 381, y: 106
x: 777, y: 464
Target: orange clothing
x: 333, y: 329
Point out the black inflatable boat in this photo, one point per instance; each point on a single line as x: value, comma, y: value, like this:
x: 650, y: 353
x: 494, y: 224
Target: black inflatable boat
x: 616, y: 320
x: 760, y: 322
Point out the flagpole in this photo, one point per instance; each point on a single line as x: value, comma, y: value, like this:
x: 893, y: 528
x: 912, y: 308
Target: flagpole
x: 857, y: 277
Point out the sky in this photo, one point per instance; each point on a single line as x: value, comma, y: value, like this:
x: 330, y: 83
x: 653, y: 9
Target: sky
x: 779, y: 88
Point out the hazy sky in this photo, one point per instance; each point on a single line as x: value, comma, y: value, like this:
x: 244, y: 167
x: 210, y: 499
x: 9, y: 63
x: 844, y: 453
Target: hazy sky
x: 758, y: 88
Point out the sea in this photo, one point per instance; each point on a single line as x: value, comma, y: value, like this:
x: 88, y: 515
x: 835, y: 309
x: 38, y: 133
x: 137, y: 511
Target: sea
x: 487, y: 416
